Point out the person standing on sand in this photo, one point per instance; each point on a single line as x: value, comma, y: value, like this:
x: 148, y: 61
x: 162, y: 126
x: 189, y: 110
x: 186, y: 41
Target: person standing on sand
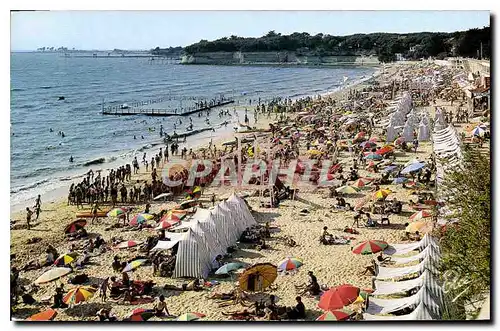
x: 95, y: 208
x: 28, y: 217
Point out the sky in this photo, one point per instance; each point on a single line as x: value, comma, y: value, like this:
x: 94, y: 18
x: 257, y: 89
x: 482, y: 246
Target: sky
x: 135, y: 30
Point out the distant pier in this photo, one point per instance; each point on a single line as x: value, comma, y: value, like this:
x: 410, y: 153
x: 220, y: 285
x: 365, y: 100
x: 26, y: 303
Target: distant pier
x: 160, y: 112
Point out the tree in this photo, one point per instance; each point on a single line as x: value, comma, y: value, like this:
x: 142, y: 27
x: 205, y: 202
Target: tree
x: 466, y: 244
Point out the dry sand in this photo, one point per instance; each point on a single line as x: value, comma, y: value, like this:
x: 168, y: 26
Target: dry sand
x: 333, y: 265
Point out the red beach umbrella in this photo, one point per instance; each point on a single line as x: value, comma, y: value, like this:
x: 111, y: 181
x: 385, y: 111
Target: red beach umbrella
x: 338, y: 297
x: 75, y: 226
x: 46, y: 315
x: 359, y: 183
x: 370, y: 247
x: 129, y: 243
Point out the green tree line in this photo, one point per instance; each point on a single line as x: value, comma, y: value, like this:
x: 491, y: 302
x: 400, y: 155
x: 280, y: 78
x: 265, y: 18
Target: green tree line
x: 383, y: 45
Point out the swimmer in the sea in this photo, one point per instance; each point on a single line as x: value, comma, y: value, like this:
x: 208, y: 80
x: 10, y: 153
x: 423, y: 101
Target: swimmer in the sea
x: 71, y: 159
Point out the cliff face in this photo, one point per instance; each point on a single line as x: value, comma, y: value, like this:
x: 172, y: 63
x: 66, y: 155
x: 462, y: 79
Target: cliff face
x: 238, y: 58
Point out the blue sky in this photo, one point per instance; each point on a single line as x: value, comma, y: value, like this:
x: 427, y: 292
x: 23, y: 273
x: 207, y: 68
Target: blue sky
x: 148, y: 29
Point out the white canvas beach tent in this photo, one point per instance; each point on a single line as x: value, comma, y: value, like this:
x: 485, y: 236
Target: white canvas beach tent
x: 402, y: 249
x: 421, y: 313
x: 387, y: 306
x: 386, y: 273
x: 209, y: 237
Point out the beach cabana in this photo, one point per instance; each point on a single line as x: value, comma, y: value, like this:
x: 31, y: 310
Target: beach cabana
x: 420, y: 313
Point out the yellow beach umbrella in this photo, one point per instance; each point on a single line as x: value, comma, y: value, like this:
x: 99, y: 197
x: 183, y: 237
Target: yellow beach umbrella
x: 314, y: 152
x: 65, y: 259
x: 258, y: 277
x: 381, y: 194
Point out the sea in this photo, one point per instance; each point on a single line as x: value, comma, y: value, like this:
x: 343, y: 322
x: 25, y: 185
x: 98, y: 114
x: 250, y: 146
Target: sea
x: 40, y: 155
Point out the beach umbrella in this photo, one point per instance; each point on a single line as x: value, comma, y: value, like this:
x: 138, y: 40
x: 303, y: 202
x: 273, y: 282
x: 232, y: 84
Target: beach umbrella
x: 400, y: 180
x: 65, y: 259
x: 140, y: 219
x: 170, y: 219
x: 290, y: 263
x: 420, y: 215
x: 385, y: 150
x: 359, y: 183
x: 367, y: 144
x: 362, y: 296
x: 373, y: 139
x: 52, y: 274
x: 134, y: 265
x: 197, y: 192
x: 413, y: 167
x: 190, y: 316
x: 188, y: 204
x: 390, y: 168
x: 79, y: 294
x: 338, y: 297
x: 347, y: 189
x: 477, y: 131
x: 116, y: 212
x: 75, y: 226
x: 128, y: 244
x: 46, y: 315
x: 335, y: 315
x: 228, y: 267
x: 399, y: 141
x: 370, y: 247
x: 381, y: 194
x: 373, y: 156
x: 258, y: 277
x: 141, y: 314
x: 420, y: 226
x: 412, y: 162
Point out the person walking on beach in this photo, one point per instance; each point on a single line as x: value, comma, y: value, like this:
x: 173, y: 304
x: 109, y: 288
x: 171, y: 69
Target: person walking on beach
x: 37, y: 211
x: 95, y: 208
x: 28, y: 217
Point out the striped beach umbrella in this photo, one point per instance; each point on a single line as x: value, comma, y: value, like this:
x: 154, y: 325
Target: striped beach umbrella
x: 169, y: 220
x: 134, y: 265
x: 361, y: 202
x: 338, y: 297
x: 419, y: 215
x: 65, y: 259
x: 129, y: 243
x: 347, y: 189
x: 362, y: 296
x: 335, y: 315
x: 116, y: 212
x: 79, y: 294
x: 420, y: 227
x: 140, y: 219
x: 190, y: 316
x: 141, y: 314
x: 75, y: 226
x: 477, y: 131
x: 53, y: 274
x: 290, y: 263
x: 370, y: 247
x: 381, y: 194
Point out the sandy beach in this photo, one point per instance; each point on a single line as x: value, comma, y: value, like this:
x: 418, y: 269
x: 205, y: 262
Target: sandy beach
x: 333, y: 265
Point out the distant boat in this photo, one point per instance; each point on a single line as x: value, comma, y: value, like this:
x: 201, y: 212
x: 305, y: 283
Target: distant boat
x: 61, y: 98
x: 124, y: 106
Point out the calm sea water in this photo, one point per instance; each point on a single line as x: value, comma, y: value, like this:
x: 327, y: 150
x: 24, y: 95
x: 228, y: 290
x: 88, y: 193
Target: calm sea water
x: 39, y: 158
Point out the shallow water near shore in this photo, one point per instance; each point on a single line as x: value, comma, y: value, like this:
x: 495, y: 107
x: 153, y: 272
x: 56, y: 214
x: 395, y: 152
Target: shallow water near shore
x: 39, y: 157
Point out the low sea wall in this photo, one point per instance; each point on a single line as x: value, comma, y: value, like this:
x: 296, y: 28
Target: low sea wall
x: 242, y: 58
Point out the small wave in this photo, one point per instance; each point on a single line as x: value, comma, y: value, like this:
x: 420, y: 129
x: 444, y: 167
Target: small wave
x: 28, y: 187
x: 46, y: 87
x: 66, y: 178
x: 17, y: 89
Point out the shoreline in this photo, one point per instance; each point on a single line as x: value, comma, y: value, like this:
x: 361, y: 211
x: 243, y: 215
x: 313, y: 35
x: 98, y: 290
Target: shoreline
x: 59, y: 193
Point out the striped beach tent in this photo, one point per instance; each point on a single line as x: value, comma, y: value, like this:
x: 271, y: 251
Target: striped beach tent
x: 421, y: 313
x: 191, y: 257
